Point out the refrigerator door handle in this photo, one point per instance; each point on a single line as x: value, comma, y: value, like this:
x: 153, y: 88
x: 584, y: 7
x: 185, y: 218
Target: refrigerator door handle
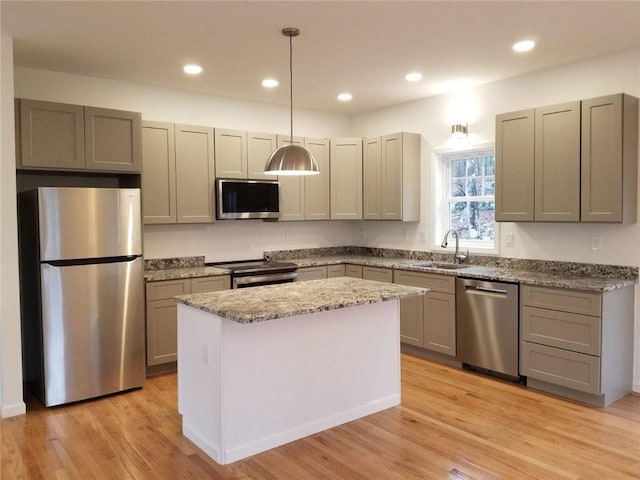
x: 91, y: 261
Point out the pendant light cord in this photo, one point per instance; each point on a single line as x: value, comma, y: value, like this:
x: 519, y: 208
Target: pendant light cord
x: 291, y: 84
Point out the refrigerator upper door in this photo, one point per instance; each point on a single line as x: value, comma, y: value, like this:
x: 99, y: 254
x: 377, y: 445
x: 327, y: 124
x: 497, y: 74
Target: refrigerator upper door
x: 93, y: 329
x: 83, y: 223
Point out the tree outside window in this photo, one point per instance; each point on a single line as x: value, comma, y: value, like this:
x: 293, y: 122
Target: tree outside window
x: 471, y: 193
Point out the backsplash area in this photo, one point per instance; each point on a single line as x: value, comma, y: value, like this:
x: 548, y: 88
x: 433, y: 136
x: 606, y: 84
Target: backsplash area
x: 571, y: 268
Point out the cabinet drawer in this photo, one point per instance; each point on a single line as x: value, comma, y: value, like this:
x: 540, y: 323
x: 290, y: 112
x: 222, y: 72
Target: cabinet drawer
x: 168, y: 289
x: 210, y: 284
x: 354, y: 271
x: 563, y: 300
x: 437, y: 283
x: 336, y: 270
x: 378, y: 274
x: 312, y: 273
x: 560, y: 367
x: 579, y: 333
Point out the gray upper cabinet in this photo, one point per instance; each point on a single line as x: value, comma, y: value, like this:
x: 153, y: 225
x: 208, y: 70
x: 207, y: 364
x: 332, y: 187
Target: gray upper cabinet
x: 317, y: 187
x: 260, y: 147
x: 346, y: 178
x: 292, y: 197
x: 194, y: 174
x: 391, y: 177
x: 609, y: 159
x: 230, y: 153
x: 51, y: 135
x: 159, y: 173
x: 57, y: 136
x: 557, y: 163
x: 112, y: 140
x: 569, y: 163
x: 514, y: 166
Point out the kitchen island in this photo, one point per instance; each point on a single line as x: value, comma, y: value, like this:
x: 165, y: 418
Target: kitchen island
x: 261, y: 367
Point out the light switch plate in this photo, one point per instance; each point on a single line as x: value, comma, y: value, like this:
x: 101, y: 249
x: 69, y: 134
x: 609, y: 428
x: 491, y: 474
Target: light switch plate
x: 596, y: 243
x: 509, y: 239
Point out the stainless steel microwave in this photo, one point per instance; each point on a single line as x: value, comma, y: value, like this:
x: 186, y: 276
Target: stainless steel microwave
x: 242, y: 199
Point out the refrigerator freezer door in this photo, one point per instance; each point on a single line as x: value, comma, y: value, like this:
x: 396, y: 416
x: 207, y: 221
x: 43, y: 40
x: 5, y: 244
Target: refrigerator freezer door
x: 82, y: 223
x: 93, y: 329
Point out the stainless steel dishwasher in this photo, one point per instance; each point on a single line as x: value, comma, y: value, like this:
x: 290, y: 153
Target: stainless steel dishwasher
x: 487, y: 325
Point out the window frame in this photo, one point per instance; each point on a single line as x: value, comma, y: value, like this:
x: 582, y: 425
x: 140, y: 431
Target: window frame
x: 443, y: 199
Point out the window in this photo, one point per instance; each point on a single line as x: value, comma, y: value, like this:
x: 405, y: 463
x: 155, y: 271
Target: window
x: 469, y: 191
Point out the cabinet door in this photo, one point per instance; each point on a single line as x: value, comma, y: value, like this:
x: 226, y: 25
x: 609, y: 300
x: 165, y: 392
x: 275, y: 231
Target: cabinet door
x: 412, y: 321
x: 210, y: 284
x: 391, y: 179
x: 292, y: 197
x: 440, y: 322
x: 557, y: 163
x: 158, y: 173
x: 354, y: 271
x: 194, y: 174
x: 51, y: 135
x: 602, y: 166
x: 162, y: 332
x: 316, y: 187
x: 260, y: 146
x: 336, y: 270
x: 346, y: 179
x: 378, y: 274
x: 113, y: 140
x: 515, y: 166
x: 312, y: 273
x: 372, y: 178
x: 230, y: 153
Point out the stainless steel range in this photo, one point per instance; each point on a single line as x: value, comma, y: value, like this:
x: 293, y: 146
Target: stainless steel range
x: 254, y: 273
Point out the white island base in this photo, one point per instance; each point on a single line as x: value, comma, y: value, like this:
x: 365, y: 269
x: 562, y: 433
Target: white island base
x: 246, y: 388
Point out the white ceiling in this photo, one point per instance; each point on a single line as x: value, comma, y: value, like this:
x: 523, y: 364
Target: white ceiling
x: 362, y: 47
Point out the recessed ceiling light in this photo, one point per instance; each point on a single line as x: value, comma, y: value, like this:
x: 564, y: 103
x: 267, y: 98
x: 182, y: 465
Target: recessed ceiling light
x: 270, y: 83
x: 524, y: 46
x: 345, y: 97
x: 413, y: 77
x: 192, y: 69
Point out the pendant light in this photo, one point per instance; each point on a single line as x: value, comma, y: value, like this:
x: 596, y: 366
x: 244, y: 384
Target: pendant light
x: 291, y: 159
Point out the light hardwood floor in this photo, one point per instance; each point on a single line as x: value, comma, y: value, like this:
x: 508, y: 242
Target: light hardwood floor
x: 452, y: 424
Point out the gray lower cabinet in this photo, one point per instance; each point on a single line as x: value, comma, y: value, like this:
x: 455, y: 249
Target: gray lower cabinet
x: 58, y: 136
x: 162, y: 314
x: 577, y: 344
x: 312, y: 273
x: 339, y: 270
x: 354, y: 271
x: 377, y: 273
x: 430, y: 321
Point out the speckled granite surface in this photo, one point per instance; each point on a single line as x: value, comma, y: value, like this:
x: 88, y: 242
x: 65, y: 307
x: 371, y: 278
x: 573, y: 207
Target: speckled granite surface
x: 289, y: 299
x: 176, y: 262
x: 177, y: 273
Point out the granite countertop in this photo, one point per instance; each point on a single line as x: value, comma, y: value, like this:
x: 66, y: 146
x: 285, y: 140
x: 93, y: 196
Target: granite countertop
x: 591, y: 283
x: 184, y: 272
x: 289, y: 299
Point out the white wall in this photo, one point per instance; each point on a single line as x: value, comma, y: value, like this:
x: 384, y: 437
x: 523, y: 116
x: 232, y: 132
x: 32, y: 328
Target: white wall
x: 11, y: 402
x: 433, y: 117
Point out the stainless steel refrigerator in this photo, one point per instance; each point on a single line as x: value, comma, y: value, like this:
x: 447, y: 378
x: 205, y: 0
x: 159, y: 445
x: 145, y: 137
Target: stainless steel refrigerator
x: 82, y: 297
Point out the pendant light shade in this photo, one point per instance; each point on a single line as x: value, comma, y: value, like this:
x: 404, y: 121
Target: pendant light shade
x: 291, y: 159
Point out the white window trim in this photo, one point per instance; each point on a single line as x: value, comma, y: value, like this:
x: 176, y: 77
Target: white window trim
x: 441, y: 200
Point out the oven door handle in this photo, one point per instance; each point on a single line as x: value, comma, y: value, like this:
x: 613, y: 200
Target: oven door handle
x: 276, y: 277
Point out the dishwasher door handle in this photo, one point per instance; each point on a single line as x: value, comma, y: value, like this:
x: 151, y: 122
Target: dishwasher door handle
x: 485, y: 290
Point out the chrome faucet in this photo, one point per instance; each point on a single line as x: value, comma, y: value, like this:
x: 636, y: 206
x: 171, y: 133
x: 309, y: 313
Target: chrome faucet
x: 459, y: 257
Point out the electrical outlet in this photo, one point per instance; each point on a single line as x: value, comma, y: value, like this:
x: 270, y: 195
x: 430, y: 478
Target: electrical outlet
x: 509, y: 239
x: 205, y: 354
x: 287, y: 236
x: 405, y: 235
x: 422, y: 236
x: 596, y: 243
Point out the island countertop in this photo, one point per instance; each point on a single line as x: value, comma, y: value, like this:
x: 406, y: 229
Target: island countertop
x: 290, y: 299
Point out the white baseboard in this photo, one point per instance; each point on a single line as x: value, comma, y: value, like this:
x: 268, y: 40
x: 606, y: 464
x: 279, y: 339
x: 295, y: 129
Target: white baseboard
x: 14, y: 410
x: 636, y: 387
x: 201, y: 442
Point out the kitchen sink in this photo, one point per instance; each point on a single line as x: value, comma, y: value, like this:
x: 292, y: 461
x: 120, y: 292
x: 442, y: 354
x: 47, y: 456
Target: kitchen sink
x: 444, y: 265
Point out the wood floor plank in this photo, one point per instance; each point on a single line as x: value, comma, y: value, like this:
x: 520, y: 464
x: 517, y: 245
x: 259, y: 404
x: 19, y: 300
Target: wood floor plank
x: 452, y: 424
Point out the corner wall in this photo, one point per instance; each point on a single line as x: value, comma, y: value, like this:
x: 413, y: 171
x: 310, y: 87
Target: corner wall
x: 11, y: 402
